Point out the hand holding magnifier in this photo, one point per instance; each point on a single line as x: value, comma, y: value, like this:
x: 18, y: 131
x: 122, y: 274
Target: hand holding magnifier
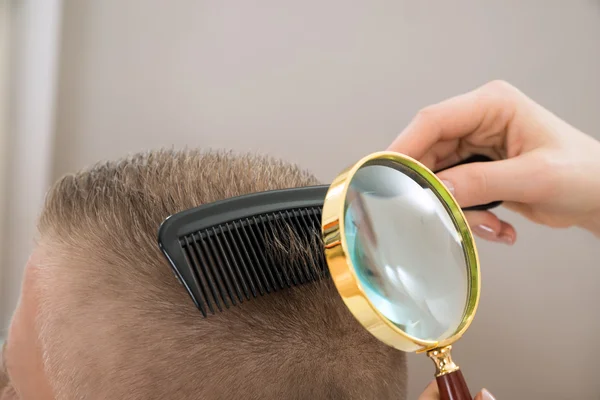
x: 403, y: 259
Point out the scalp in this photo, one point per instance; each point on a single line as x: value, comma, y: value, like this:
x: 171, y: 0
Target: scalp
x: 114, y: 322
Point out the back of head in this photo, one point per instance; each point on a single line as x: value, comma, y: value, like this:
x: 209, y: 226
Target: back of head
x: 114, y: 323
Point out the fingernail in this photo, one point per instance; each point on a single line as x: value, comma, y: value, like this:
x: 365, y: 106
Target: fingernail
x: 449, y: 186
x: 485, y: 232
x: 486, y: 395
x: 507, y: 239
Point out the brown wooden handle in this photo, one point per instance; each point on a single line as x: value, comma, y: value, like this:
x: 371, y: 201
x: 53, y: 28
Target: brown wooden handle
x: 452, y: 386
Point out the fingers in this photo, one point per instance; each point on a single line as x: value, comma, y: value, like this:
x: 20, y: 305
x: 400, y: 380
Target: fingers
x: 444, y: 152
x: 488, y: 226
x: 484, y: 395
x: 481, y: 183
x: 486, y: 111
x: 431, y: 392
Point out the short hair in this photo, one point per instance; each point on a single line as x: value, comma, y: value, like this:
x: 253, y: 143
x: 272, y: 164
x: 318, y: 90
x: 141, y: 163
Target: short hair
x: 115, y: 323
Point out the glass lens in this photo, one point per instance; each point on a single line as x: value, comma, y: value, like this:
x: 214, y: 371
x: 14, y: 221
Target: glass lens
x: 406, y: 251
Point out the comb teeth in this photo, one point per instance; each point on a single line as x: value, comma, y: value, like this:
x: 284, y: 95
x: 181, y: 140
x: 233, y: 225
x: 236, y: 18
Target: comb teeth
x: 247, y: 258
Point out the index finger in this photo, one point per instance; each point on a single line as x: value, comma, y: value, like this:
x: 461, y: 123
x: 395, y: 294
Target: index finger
x: 431, y: 392
x: 490, y: 107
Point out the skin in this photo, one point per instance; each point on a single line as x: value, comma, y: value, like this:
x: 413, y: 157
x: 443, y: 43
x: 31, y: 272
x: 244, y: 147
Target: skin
x: 545, y: 169
x: 431, y: 393
x: 23, y: 376
x: 496, y: 120
x: 22, y: 352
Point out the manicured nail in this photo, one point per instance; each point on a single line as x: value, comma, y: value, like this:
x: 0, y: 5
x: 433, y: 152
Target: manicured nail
x: 485, y: 232
x: 507, y: 239
x: 486, y: 395
x: 449, y: 186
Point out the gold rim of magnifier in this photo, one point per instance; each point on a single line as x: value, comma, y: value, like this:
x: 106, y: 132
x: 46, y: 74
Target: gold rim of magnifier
x: 344, y: 275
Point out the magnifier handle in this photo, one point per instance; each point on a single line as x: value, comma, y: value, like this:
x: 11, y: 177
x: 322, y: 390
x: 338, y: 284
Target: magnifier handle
x: 452, y: 386
x: 472, y: 159
x: 450, y: 380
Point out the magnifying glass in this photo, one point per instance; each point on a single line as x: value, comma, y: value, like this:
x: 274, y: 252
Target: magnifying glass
x: 403, y: 259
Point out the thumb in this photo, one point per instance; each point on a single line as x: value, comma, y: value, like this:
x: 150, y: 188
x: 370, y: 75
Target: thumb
x: 485, y: 182
x: 484, y: 395
x: 430, y: 392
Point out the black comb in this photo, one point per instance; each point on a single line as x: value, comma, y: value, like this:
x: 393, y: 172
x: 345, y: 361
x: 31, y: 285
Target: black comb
x: 219, y: 252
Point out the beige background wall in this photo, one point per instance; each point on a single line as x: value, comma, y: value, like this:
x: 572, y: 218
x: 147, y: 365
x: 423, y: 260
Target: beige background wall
x: 32, y: 38
x: 4, y: 135
x: 324, y: 82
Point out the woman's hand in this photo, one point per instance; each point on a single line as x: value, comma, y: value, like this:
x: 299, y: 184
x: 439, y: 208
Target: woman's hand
x: 546, y: 170
x: 431, y: 393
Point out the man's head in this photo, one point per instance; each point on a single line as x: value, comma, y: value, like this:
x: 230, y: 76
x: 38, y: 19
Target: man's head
x: 101, y: 315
